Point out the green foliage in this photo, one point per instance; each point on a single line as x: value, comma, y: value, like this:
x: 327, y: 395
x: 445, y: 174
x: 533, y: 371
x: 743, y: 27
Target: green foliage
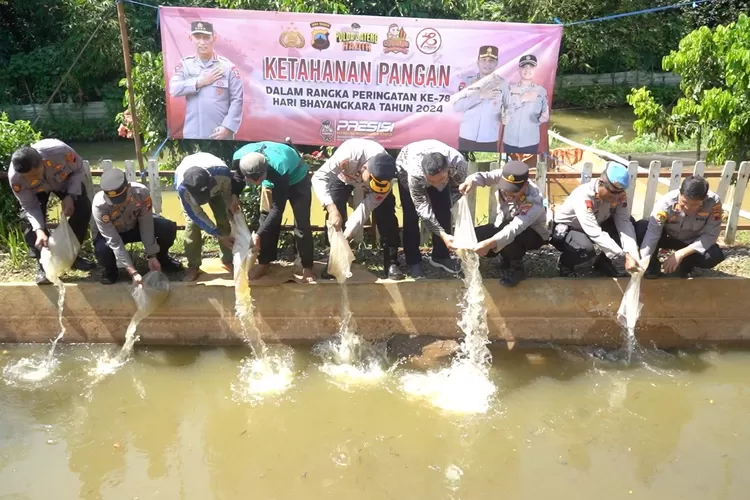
x: 13, y: 135
x: 714, y: 66
x: 13, y: 245
x: 608, y: 96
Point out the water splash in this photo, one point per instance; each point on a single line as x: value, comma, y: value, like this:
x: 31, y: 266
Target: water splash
x: 348, y: 358
x: 630, y: 311
x: 259, y: 377
x: 107, y: 365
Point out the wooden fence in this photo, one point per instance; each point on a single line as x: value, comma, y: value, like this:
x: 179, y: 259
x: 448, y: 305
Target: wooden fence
x: 671, y: 179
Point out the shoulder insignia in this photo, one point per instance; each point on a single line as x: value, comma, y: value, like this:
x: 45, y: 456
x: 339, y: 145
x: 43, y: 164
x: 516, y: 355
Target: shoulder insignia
x: 717, y: 211
x: 148, y: 202
x: 105, y: 218
x: 47, y: 163
x: 17, y: 188
x: 661, y: 216
x: 235, y: 72
x: 70, y: 157
x: 178, y: 68
x: 590, y: 206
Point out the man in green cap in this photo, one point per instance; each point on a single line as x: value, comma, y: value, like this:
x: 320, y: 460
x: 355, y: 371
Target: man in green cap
x: 281, y: 169
x: 123, y: 214
x: 521, y: 223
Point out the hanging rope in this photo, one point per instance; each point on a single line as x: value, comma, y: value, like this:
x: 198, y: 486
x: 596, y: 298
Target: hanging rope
x: 139, y: 3
x: 635, y: 13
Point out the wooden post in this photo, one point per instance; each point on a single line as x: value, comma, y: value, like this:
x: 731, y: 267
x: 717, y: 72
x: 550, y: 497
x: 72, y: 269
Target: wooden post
x: 89, y: 185
x: 106, y: 165
x: 653, y: 181
x: 129, y: 78
x: 492, y: 209
x: 739, y: 194
x: 726, y: 180
x: 700, y: 168
x: 633, y: 176
x: 541, y: 176
x: 586, y: 172
x: 154, y: 186
x: 676, y: 179
x: 130, y: 171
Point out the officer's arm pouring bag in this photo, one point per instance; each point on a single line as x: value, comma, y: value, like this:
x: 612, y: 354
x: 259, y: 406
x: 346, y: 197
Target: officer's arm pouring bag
x: 341, y: 258
x: 61, y: 252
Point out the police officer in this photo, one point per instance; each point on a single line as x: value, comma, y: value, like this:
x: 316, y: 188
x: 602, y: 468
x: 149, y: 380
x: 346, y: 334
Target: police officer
x: 527, y: 110
x: 200, y: 179
x: 596, y: 213
x: 50, y: 166
x: 687, y: 220
x: 123, y: 214
x: 366, y: 164
x: 429, y: 173
x: 482, y: 98
x: 212, y: 88
x: 521, y: 223
x: 280, y: 168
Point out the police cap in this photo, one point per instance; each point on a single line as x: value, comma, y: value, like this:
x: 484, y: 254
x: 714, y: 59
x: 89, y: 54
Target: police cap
x: 488, y: 51
x: 115, y: 185
x: 527, y: 59
x: 198, y: 183
x: 201, y: 27
x: 382, y: 166
x: 514, y: 176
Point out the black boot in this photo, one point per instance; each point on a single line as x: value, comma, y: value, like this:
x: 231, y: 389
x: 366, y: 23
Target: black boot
x: 653, y: 271
x: 685, y: 271
x: 390, y: 264
x: 606, y: 267
x: 109, y: 276
x: 169, y: 264
x: 82, y: 264
x: 514, y: 274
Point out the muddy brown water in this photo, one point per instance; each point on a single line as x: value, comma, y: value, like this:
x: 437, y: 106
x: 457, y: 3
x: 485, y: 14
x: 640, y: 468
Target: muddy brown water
x: 562, y: 425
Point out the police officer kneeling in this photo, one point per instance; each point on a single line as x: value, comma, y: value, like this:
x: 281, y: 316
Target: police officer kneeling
x: 596, y: 213
x: 521, y: 223
x: 122, y: 212
x: 687, y: 220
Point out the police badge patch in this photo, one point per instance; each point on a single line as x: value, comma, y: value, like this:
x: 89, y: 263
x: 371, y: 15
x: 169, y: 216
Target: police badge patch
x: 590, y: 206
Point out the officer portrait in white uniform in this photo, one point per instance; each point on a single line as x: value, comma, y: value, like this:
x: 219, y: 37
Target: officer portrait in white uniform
x: 482, y: 97
x: 528, y: 108
x: 211, y: 86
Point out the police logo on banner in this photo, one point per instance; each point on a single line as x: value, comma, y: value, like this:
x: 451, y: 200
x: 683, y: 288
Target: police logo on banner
x: 320, y: 35
x: 326, y: 131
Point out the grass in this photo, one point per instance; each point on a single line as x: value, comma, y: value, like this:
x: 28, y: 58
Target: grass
x: 12, y: 246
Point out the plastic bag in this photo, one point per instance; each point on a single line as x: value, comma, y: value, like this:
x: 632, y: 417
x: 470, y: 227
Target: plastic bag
x: 464, y: 237
x: 243, y: 253
x: 61, y: 251
x: 341, y: 257
x: 152, y: 294
x: 630, y: 307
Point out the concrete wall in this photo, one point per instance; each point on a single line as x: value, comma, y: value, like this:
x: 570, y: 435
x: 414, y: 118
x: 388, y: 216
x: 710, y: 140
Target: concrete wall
x: 564, y: 311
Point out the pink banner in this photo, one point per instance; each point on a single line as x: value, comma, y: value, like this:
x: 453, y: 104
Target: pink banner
x: 323, y: 79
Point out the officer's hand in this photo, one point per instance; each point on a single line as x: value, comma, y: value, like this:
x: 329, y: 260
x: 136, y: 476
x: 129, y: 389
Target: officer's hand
x: 220, y: 133
x: 528, y: 97
x: 226, y: 241
x: 672, y: 263
x: 154, y: 264
x: 631, y: 263
x: 465, y: 187
x: 489, y: 92
x: 209, y: 77
x: 137, y: 279
x: 484, y: 247
x: 235, y: 204
x: 256, y: 240
x: 67, y: 206
x: 448, y: 240
x: 334, y: 217
x: 505, y: 118
x: 42, y: 240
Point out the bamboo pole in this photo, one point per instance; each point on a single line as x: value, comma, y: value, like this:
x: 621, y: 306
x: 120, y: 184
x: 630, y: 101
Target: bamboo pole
x: 129, y: 78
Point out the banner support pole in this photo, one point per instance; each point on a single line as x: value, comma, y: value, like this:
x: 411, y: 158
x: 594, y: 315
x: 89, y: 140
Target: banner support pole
x: 129, y: 78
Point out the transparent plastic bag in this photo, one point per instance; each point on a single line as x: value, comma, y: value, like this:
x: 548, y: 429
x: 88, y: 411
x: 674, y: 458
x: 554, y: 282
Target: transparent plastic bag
x: 630, y: 307
x: 243, y: 253
x: 341, y: 257
x: 61, y: 251
x: 464, y: 236
x: 152, y: 294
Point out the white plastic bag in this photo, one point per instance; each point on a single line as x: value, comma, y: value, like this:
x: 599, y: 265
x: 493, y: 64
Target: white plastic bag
x: 630, y: 307
x: 61, y: 251
x: 464, y: 237
x: 243, y: 253
x: 152, y: 294
x: 341, y: 257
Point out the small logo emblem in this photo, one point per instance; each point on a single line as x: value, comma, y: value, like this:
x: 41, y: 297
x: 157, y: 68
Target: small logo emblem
x: 396, y: 41
x: 353, y: 39
x: 326, y: 131
x: 320, y: 35
x: 291, y: 38
x: 429, y: 41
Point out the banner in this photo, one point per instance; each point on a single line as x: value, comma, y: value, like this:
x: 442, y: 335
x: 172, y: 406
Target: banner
x: 322, y: 79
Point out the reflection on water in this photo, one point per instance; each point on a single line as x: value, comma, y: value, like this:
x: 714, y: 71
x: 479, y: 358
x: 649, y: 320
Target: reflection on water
x: 563, y: 424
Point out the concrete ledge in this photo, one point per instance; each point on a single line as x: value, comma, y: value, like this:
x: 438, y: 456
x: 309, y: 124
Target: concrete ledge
x: 676, y: 313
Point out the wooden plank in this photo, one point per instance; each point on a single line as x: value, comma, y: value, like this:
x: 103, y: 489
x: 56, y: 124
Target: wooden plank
x: 472, y: 197
x: 700, y: 168
x: 88, y: 184
x: 651, y: 191
x: 541, y: 175
x: 726, y: 180
x: 633, y: 175
x: 153, y: 185
x: 586, y: 172
x: 676, y: 179
x: 739, y: 194
x: 106, y: 165
x: 492, y: 210
x: 130, y: 171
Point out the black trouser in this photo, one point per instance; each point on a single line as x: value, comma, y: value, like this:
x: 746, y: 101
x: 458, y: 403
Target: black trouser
x: 468, y: 146
x: 164, y: 229
x: 526, y: 150
x: 79, y: 221
x: 300, y: 197
x: 577, y: 248
x: 515, y: 250
x: 713, y: 256
x: 441, y: 207
x: 385, y: 219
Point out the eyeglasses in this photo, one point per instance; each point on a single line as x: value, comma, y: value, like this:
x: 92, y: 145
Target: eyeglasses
x: 611, y: 188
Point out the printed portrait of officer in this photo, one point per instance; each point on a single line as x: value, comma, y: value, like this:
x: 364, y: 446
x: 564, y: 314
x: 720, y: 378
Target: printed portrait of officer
x: 482, y: 97
x: 527, y: 110
x: 211, y: 86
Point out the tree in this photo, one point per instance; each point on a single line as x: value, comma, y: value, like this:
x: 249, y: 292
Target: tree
x: 714, y: 67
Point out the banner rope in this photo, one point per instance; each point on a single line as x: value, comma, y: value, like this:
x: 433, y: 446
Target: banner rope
x: 636, y: 12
